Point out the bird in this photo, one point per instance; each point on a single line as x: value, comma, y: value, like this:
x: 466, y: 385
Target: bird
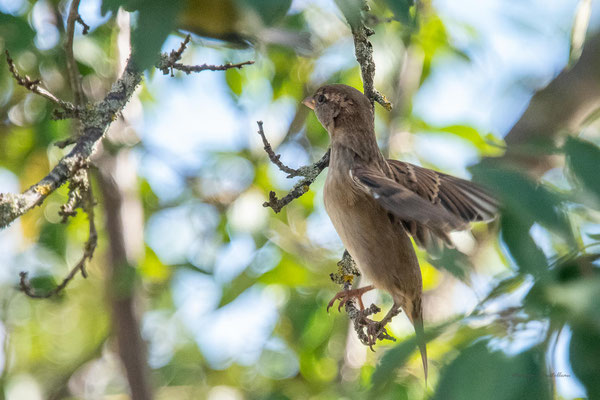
x: 376, y: 204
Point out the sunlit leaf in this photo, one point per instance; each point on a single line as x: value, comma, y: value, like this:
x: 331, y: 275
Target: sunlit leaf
x: 236, y: 287
x: 152, y: 269
x: 233, y: 77
x: 580, y: 26
x: 288, y: 272
x: 488, y: 145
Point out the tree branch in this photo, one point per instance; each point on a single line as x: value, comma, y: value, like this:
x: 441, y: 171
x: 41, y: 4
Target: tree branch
x: 121, y: 289
x: 207, y: 67
x: 34, y: 85
x: 364, y: 57
x: 363, y: 49
x: 561, y: 108
x: 363, y: 326
x: 72, y: 70
x: 95, y: 120
x: 310, y: 173
x: 80, y: 190
x: 168, y: 63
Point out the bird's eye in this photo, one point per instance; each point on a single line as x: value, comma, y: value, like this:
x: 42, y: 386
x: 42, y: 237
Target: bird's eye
x: 321, y: 99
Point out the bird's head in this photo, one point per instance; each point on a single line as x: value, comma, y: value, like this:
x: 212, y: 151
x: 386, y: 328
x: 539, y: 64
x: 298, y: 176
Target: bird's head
x: 340, y: 108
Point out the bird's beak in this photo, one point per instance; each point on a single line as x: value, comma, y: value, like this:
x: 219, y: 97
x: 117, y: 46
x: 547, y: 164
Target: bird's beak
x: 309, y: 102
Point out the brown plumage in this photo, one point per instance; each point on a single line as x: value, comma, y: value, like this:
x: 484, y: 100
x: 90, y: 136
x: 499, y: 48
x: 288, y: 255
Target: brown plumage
x: 375, y: 204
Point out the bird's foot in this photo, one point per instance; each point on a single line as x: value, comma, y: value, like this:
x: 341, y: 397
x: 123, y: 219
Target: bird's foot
x: 345, y: 296
x: 375, y: 330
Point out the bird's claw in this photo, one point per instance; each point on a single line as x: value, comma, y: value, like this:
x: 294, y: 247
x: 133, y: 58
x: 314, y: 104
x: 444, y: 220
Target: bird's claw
x: 345, y: 296
x: 371, y: 331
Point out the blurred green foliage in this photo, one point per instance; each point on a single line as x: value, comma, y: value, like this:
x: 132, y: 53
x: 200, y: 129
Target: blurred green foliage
x: 308, y: 353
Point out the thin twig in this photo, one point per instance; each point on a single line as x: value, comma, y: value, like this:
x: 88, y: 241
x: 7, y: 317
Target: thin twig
x: 275, y: 158
x: 72, y: 70
x: 368, y: 331
x: 95, y: 120
x: 34, y: 85
x: 364, y: 56
x: 86, y: 27
x: 168, y: 63
x: 98, y: 118
x: 88, y: 253
x: 80, y: 195
x: 78, y: 187
x: 207, y: 67
x: 309, y: 174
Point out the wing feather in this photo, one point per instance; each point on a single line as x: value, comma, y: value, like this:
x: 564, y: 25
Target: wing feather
x: 427, y: 203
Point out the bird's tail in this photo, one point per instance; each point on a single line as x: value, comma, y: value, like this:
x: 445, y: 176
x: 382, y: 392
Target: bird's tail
x: 416, y: 318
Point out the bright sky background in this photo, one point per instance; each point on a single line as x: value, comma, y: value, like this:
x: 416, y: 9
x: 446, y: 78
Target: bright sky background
x: 518, y: 41
x: 515, y: 42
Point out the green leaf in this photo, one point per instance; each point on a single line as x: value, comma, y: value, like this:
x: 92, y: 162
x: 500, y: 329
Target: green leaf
x: 472, y: 135
x: 515, y: 234
x: 152, y: 269
x: 595, y: 236
x: 583, y: 158
x: 455, y: 262
x: 270, y: 11
x: 236, y: 287
x: 54, y: 237
x: 525, y: 198
x: 351, y: 10
x: 288, y: 272
x: 577, y: 299
x: 16, y: 33
x: 584, y: 353
x: 233, y: 77
x: 155, y: 22
x: 479, y: 373
x: 397, y: 356
x: 42, y: 284
x: 505, y: 286
x: 401, y: 10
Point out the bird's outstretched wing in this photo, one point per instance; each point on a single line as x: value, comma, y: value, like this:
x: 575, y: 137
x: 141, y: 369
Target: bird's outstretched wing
x: 426, y: 202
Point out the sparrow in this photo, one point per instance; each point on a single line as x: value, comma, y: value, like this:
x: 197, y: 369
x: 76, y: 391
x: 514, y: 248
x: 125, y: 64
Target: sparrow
x: 376, y: 205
